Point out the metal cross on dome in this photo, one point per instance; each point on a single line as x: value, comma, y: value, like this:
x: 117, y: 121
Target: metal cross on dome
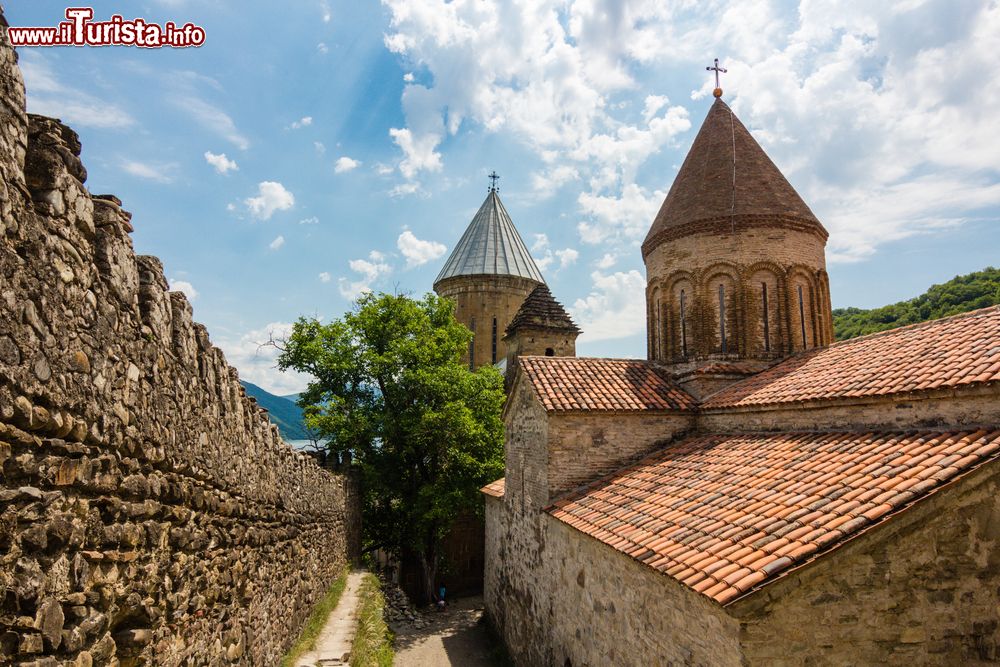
x: 494, y: 177
x: 717, y: 69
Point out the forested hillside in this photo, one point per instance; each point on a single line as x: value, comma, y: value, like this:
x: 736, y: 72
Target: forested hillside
x: 958, y: 295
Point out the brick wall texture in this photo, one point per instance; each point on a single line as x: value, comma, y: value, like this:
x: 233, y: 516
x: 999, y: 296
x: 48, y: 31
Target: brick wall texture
x: 150, y: 512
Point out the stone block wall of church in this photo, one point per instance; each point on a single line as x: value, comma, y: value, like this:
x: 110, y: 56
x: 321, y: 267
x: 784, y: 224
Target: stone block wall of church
x: 608, y: 609
x: 763, y: 255
x: 486, y: 305
x: 585, y: 446
x: 150, y: 511
x: 952, y: 408
x: 920, y: 590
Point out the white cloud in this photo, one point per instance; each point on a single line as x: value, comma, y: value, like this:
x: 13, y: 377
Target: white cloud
x: 417, y: 251
x: 212, y: 118
x: 408, y: 77
x: 541, y: 242
x: 184, y: 287
x: 404, y: 189
x: 257, y: 361
x: 566, y: 257
x: 230, y: 206
x: 220, y: 162
x: 607, y: 261
x: 325, y: 277
x: 614, y: 308
x: 277, y: 242
x: 322, y: 48
x: 313, y: 220
x: 345, y: 164
x: 305, y: 121
x: 159, y: 173
x: 383, y: 169
x: 271, y: 196
x: 370, y: 270
x: 320, y: 148
x: 50, y: 96
x: 545, y: 73
x: 625, y: 217
x: 325, y: 11
x: 419, y: 152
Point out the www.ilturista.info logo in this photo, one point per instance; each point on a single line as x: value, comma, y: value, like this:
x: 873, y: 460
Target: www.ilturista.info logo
x: 80, y: 30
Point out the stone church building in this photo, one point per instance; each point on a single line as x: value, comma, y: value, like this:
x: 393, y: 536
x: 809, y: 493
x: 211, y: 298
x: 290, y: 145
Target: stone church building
x: 753, y: 493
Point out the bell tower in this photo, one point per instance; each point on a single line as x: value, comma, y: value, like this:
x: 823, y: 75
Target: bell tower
x: 735, y: 263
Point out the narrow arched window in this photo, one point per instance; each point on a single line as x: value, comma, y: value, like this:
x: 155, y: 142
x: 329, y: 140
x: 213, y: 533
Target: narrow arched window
x: 658, y: 335
x: 472, y: 345
x: 549, y: 352
x: 722, y: 317
x: 767, y: 316
x: 494, y: 340
x: 802, y: 317
x: 684, y: 340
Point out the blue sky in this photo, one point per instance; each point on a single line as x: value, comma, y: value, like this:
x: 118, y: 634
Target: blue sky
x: 315, y: 149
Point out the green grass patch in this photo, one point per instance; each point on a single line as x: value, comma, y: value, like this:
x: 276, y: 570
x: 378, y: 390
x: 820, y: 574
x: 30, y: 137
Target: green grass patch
x: 373, y: 641
x: 317, y: 619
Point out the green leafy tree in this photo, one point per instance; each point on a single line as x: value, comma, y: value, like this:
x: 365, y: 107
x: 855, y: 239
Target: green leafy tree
x: 959, y: 295
x: 390, y: 394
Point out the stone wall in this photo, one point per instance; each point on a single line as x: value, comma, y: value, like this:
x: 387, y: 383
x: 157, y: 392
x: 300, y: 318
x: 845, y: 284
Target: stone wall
x: 952, y: 407
x: 921, y: 589
x: 151, y: 514
x: 481, y: 300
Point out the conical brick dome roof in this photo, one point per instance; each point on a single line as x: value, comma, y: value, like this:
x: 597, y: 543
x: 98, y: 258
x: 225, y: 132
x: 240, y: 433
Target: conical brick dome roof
x: 490, y: 246
x: 727, y: 175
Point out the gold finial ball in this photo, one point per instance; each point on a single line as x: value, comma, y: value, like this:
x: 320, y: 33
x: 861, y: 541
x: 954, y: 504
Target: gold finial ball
x: 717, y: 92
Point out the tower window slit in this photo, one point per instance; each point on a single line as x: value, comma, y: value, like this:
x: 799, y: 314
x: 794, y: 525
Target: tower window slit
x: 722, y: 317
x: 472, y: 345
x: 494, y: 340
x: 802, y: 317
x: 767, y: 331
x: 684, y: 342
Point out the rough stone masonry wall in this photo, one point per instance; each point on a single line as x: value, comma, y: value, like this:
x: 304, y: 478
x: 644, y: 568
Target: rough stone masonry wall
x: 149, y: 512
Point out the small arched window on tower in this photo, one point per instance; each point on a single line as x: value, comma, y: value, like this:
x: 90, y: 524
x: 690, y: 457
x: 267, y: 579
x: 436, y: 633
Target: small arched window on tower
x: 802, y: 318
x: 684, y: 338
x: 472, y: 345
x: 767, y: 317
x: 549, y: 352
x: 722, y: 318
x: 494, y: 340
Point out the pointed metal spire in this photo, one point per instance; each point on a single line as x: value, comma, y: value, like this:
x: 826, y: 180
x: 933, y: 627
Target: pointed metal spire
x: 491, y: 246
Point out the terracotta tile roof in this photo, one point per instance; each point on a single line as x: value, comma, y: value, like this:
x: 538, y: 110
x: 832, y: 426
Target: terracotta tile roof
x: 725, y: 513
x: 495, y: 489
x: 609, y: 385
x: 959, y: 350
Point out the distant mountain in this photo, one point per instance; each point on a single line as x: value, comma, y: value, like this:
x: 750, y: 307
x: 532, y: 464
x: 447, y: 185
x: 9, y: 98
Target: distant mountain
x: 283, y: 412
x: 959, y: 295
x: 292, y: 397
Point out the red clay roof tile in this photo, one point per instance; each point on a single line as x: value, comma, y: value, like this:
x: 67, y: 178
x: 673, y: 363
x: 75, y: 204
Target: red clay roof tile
x: 495, y: 489
x: 732, y: 529
x: 604, y: 385
x: 949, y: 352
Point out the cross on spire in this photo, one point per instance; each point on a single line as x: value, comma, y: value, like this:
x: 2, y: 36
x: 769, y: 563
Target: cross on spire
x: 494, y: 177
x: 718, y: 91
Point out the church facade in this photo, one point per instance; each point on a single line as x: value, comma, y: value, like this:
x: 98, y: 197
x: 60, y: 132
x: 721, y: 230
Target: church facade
x: 752, y: 493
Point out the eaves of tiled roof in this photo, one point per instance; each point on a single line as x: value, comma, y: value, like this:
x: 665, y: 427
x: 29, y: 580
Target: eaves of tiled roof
x: 725, y: 514
x: 495, y: 488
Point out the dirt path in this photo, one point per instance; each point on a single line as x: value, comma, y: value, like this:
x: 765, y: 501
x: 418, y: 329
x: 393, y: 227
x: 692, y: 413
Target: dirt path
x: 452, y: 637
x: 334, y: 642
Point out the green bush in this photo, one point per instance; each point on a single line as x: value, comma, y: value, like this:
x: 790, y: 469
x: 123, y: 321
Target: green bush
x: 959, y: 295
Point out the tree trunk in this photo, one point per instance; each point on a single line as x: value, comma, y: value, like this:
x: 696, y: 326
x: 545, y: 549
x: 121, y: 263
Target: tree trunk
x: 429, y: 565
